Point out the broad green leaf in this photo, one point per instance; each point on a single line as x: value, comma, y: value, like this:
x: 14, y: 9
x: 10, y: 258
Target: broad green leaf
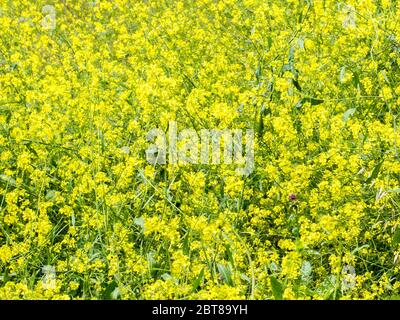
x: 7, y: 179
x: 374, y: 172
x: 139, y: 222
x: 396, y: 236
x: 108, y: 293
x: 328, y: 286
x: 342, y: 73
x: 299, y: 104
x: 291, y: 56
x: 296, y: 84
x: 50, y: 195
x: 300, y: 43
x: 277, y: 288
x: 313, y: 101
x: 115, y: 294
x: 360, y: 248
x: 286, y: 67
x: 226, y: 273
x: 230, y: 255
x: 305, y: 271
x: 258, y: 73
x: 73, y: 219
x: 166, y: 276
x: 245, y: 278
x: 198, y: 280
x: 348, y: 114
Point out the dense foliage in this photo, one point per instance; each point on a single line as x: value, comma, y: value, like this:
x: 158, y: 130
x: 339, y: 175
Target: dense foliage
x: 317, y: 81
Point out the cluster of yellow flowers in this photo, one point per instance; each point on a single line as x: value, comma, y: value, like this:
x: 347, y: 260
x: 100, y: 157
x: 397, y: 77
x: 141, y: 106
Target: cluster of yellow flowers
x: 83, y: 82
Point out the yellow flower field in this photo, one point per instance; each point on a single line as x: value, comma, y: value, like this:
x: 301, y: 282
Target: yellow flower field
x: 85, y: 215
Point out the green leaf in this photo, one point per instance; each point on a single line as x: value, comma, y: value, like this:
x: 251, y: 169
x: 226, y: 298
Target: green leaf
x: 396, y: 236
x: 269, y: 41
x: 286, y: 67
x: 313, y: 101
x: 198, y: 280
x: 115, y: 294
x: 348, y: 114
x: 342, y: 73
x: 230, y: 255
x: 166, y: 276
x: 73, y: 219
x: 328, y: 287
x: 8, y: 179
x: 226, y: 274
x: 299, y: 104
x: 305, y: 271
x: 374, y: 172
x: 103, y: 144
x: 258, y: 73
x: 277, y: 288
x: 274, y: 267
x: 139, y: 222
x: 50, y: 195
x: 108, y: 293
x: 245, y: 278
x: 360, y: 248
x: 260, y: 126
x: 300, y: 43
x: 296, y: 84
x: 291, y: 56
